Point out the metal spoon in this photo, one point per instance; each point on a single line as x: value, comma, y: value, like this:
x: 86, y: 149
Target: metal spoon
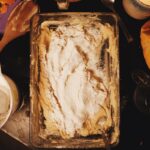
x: 141, y: 78
x: 110, y: 4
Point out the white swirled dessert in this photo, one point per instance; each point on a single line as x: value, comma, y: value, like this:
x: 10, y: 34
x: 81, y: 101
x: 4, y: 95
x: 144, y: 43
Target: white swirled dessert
x: 73, y: 83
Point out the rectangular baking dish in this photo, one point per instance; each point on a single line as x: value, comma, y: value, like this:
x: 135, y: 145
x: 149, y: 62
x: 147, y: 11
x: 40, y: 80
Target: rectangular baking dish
x: 109, y: 61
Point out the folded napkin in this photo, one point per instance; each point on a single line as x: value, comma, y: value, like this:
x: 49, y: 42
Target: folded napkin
x: 145, y: 42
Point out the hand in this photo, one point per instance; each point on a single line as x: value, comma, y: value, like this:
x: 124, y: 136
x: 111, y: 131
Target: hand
x: 65, y: 4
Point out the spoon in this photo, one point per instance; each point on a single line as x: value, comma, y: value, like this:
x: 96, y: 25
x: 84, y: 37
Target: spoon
x: 141, y: 78
x: 142, y: 91
x: 18, y: 22
x: 110, y: 4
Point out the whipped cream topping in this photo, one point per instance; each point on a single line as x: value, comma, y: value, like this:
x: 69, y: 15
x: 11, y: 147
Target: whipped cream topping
x: 73, y: 88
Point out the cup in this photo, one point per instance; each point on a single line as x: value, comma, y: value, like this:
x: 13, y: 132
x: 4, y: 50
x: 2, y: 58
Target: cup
x: 138, y: 9
x: 142, y: 99
x: 9, y: 98
x: 141, y: 95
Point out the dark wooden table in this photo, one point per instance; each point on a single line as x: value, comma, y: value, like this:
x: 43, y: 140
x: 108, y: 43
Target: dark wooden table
x: 135, y: 125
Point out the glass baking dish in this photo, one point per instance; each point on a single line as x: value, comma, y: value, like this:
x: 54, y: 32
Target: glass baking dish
x: 108, y: 63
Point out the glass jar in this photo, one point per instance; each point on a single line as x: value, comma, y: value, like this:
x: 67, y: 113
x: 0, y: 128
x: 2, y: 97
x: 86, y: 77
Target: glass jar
x: 138, y: 9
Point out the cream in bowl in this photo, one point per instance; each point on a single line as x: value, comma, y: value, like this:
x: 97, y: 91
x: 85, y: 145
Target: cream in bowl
x: 9, y: 98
